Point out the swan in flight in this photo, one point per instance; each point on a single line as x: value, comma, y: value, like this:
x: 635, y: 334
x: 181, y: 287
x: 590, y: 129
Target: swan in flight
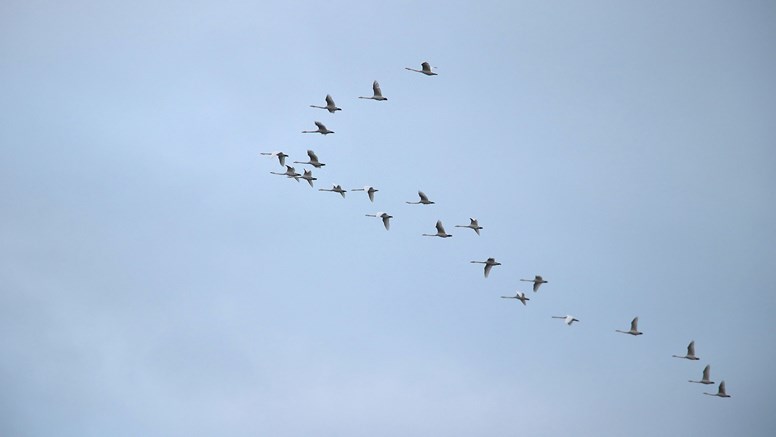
x: 705, y: 379
x: 567, y: 319
x: 313, y: 160
x: 370, y: 191
x: 720, y: 391
x: 378, y: 94
x: 519, y: 296
x: 290, y: 172
x: 335, y: 189
x: 427, y: 69
x: 330, y: 106
x: 440, y: 231
x: 473, y: 225
x: 423, y: 200
x: 384, y: 216
x: 537, y: 282
x: 634, y: 327
x: 489, y: 263
x: 279, y: 155
x: 321, y: 129
x: 690, y: 352
x: 308, y: 176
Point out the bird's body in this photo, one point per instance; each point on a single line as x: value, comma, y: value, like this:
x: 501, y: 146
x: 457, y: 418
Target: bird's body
x: 537, y: 282
x: 567, y: 319
x: 489, y: 263
x: 720, y: 391
x: 427, y: 69
x: 290, y: 172
x: 519, y: 296
x: 472, y: 225
x: 377, y: 93
x: 336, y: 188
x: 440, y: 231
x: 321, y: 129
x: 370, y: 191
x: 706, y: 376
x: 313, y: 160
x: 423, y: 200
x: 279, y: 155
x: 383, y: 215
x: 634, y: 329
x: 690, y: 352
x: 308, y: 176
x: 330, y: 106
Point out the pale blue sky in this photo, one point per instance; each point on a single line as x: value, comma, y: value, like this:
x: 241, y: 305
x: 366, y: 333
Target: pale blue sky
x: 156, y: 280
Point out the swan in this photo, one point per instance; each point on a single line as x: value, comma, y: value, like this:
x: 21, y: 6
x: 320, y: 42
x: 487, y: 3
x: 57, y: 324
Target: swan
x: 378, y: 94
x: 567, y: 319
x: 330, y: 106
x: 489, y: 263
x: 426, y: 69
x: 440, y: 231
x: 280, y: 156
x: 423, y: 200
x: 720, y: 391
x: 690, y: 352
x: 313, y: 160
x: 473, y: 225
x: 519, y: 296
x: 705, y: 379
x: 308, y: 176
x: 321, y: 129
x: 634, y: 330
x: 384, y: 216
x: 537, y: 282
x: 290, y: 172
x: 335, y: 189
x: 370, y: 191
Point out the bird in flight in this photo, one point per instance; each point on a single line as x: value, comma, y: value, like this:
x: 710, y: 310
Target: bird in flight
x: 440, y: 231
x: 423, y: 200
x: 383, y: 215
x: 705, y: 379
x: 489, y: 263
x: 567, y: 319
x: 308, y: 176
x: 313, y: 160
x: 472, y: 225
x: 519, y: 296
x: 378, y: 94
x: 720, y: 391
x: 426, y: 69
x: 370, y: 191
x: 634, y: 330
x: 290, y: 172
x: 335, y: 189
x: 330, y: 106
x: 321, y: 129
x: 690, y: 352
x: 537, y: 282
x: 279, y: 155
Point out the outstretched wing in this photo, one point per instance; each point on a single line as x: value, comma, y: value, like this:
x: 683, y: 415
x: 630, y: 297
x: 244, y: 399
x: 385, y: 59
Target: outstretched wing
x: 376, y: 89
x: 329, y: 100
x: 423, y: 196
x: 635, y: 324
x: 320, y: 125
x: 313, y: 157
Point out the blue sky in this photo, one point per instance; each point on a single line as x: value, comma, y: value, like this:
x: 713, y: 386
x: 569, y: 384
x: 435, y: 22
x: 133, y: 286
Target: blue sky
x: 156, y: 279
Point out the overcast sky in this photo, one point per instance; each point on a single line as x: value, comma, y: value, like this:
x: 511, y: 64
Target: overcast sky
x: 157, y: 280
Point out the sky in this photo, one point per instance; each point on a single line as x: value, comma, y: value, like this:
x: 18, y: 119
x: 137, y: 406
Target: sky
x: 157, y: 280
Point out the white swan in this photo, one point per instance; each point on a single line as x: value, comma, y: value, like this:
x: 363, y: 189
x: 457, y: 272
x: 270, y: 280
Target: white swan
x: 308, y: 176
x: 279, y: 155
x: 567, y: 319
x: 426, y: 69
x: 330, y: 106
x: 313, y: 160
x: 423, y: 200
x: 473, y: 225
x: 378, y: 94
x: 335, y: 189
x: 370, y: 191
x: 383, y: 215
x: 537, y: 282
x: 519, y: 296
x: 705, y: 379
x: 290, y: 172
x: 690, y: 352
x: 634, y: 330
x: 489, y: 263
x: 440, y: 231
x: 720, y: 391
x: 321, y: 129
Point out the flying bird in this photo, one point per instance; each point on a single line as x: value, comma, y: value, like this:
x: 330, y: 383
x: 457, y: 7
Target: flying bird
x: 567, y: 319
x: 634, y: 330
x: 720, y: 391
x: 330, y: 106
x: 321, y: 129
x: 378, y: 94
x: 440, y: 231
x: 384, y: 216
x: 537, y: 282
x: 290, y: 172
x: 423, y: 200
x: 705, y: 379
x: 690, y: 352
x: 489, y: 263
x: 308, y: 176
x: 426, y: 69
x: 313, y: 160
x: 370, y: 191
x: 519, y: 296
x: 279, y: 155
x: 473, y: 225
x: 335, y: 189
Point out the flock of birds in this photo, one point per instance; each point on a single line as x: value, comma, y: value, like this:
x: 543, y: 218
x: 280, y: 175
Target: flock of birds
x: 489, y: 263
